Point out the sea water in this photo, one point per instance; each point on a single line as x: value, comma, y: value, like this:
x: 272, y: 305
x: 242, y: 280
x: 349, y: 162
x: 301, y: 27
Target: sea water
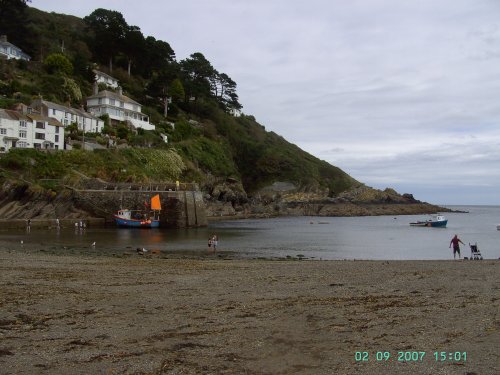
x: 371, y: 237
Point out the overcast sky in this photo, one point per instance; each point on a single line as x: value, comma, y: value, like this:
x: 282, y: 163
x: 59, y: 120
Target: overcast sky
x: 401, y: 94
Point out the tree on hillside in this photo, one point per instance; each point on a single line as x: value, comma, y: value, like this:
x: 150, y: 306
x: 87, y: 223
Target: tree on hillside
x: 13, y: 22
x: 57, y: 63
x: 224, y: 90
x: 71, y: 91
x: 81, y: 60
x: 160, y: 84
x: 158, y: 55
x: 177, y: 90
x: 134, y: 46
x: 197, y: 73
x: 109, y: 30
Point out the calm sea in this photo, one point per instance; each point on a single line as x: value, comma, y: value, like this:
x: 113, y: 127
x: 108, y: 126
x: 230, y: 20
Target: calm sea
x: 378, y: 237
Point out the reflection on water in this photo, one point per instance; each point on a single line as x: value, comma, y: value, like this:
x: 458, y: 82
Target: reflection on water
x: 382, y: 237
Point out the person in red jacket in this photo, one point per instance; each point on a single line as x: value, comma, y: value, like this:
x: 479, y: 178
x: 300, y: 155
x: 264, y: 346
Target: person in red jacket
x: 456, y: 247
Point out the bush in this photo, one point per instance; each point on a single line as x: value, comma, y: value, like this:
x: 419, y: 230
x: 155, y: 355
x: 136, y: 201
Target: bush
x: 57, y: 63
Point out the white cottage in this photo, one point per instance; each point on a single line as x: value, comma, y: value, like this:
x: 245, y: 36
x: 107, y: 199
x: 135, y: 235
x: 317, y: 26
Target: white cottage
x: 85, y: 121
x: 9, y: 130
x: 18, y: 130
x: 10, y: 51
x: 48, y: 133
x: 101, y: 77
x: 119, y: 108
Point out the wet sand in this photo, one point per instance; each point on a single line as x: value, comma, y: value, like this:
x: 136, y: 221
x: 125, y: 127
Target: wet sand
x: 149, y: 315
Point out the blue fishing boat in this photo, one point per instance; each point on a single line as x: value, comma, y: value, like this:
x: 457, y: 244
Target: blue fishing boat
x: 140, y: 218
x: 439, y: 222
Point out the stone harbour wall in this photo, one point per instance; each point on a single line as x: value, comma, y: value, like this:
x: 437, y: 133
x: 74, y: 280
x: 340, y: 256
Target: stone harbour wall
x: 180, y: 209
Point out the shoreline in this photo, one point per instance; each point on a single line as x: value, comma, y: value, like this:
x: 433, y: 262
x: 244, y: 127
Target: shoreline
x: 339, y: 210
x: 326, y: 209
x: 84, y: 314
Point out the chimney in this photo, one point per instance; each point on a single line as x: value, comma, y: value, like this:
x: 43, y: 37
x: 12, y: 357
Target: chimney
x: 120, y: 91
x: 3, y: 38
x: 96, y: 88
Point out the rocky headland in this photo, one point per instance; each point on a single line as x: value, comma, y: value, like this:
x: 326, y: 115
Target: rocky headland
x: 226, y: 199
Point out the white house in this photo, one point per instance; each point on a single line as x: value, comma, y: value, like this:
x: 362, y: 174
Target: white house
x: 101, y: 77
x: 18, y: 130
x: 67, y: 116
x: 119, y: 108
x: 48, y: 133
x: 10, y: 51
x: 9, y: 130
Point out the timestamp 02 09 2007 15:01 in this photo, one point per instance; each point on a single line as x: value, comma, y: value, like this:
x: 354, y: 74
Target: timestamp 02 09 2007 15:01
x: 410, y: 356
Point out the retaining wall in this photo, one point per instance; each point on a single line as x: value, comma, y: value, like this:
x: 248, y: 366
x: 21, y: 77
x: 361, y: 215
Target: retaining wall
x: 180, y: 209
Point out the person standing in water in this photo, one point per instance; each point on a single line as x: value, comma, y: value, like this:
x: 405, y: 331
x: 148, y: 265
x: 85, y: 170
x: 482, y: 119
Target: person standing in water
x: 215, y: 242
x: 456, y: 247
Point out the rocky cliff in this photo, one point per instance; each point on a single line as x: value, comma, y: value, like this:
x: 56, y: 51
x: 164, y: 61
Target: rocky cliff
x: 224, y: 199
x: 227, y: 198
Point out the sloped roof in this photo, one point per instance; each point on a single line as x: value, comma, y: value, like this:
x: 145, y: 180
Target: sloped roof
x: 49, y: 120
x: 12, y: 115
x: 63, y: 108
x: 16, y: 115
x: 4, y: 114
x: 5, y: 44
x: 113, y: 95
x: 98, y: 72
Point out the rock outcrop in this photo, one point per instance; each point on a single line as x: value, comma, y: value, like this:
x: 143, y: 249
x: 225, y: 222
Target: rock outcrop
x: 225, y: 199
x: 228, y: 199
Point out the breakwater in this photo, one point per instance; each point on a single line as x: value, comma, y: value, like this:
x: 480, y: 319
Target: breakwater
x: 180, y: 209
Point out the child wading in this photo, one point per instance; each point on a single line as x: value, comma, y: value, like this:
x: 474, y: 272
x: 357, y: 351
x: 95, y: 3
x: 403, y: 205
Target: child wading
x: 215, y: 242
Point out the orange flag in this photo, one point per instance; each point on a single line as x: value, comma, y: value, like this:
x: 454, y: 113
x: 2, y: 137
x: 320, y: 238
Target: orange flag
x: 155, y: 203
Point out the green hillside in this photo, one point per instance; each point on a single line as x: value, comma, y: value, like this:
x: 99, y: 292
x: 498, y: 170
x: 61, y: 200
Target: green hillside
x: 207, y: 141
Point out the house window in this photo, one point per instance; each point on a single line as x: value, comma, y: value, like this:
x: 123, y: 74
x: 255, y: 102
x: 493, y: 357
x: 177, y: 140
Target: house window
x: 3, y: 131
x: 100, y: 101
x: 22, y: 134
x: 121, y: 104
x: 65, y: 114
x: 21, y: 144
x: 22, y: 124
x: 56, y: 138
x: 53, y: 111
x: 57, y: 129
x: 37, y: 145
x: 40, y: 125
x: 112, y: 101
x: 39, y: 135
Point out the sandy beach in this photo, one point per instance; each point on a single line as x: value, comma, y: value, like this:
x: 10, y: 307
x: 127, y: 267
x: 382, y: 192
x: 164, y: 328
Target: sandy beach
x: 74, y: 314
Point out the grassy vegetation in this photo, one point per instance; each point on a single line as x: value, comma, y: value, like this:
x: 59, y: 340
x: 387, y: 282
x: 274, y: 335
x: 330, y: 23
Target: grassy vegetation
x: 131, y: 165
